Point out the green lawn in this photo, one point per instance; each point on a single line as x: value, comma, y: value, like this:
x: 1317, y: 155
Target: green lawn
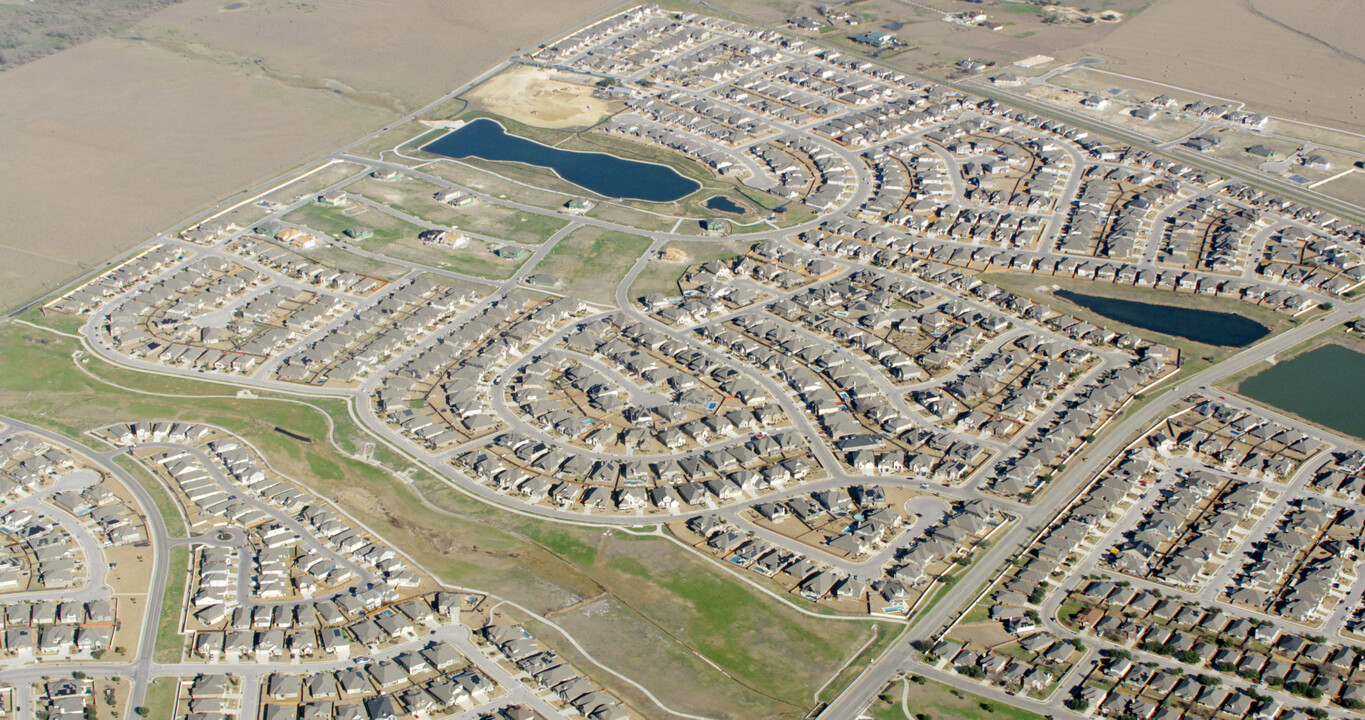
x: 335, y: 221
x: 887, y: 706
x: 165, y: 505
x: 160, y: 698
x: 590, y: 262
x: 885, y: 635
x: 418, y: 198
x: 942, y: 702
x: 170, y: 645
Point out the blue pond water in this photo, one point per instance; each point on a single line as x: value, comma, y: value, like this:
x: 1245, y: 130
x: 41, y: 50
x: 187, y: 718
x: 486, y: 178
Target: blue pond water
x: 1203, y: 326
x: 724, y: 204
x: 604, y: 174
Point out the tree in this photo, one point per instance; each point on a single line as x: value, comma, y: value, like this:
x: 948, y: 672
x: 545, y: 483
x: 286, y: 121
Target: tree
x: 140, y: 711
x: 973, y: 672
x: 1077, y: 704
x: 1304, y: 689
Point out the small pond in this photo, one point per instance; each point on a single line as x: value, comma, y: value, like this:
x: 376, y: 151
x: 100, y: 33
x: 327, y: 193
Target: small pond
x: 720, y: 203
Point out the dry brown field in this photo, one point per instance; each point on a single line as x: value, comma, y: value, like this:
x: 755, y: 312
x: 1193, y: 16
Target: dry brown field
x: 1297, y: 58
x: 109, y: 142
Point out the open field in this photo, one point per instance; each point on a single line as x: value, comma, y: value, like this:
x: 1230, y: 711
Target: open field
x: 611, y: 212
x: 662, y: 277
x: 540, y: 565
x: 1303, y: 64
x: 412, y: 133
x: 934, y: 700
x: 335, y: 221
x: 545, y: 98
x: 943, y: 702
x: 193, y: 105
x: 489, y: 182
x: 170, y: 645
x: 590, y: 262
x: 31, y: 30
x: 1348, y: 187
x: 707, y: 617
x: 126, y: 187
x: 393, y: 238
x: 160, y: 698
x: 417, y: 198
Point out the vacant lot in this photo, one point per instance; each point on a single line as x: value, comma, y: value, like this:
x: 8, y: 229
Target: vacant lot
x: 661, y: 276
x: 336, y: 221
x: 1305, y: 61
x: 170, y: 644
x: 544, y: 98
x: 590, y: 262
x: 117, y: 140
x: 120, y: 138
x: 417, y: 198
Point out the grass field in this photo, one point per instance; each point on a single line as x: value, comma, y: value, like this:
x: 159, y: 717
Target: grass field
x: 942, y: 702
x: 662, y: 277
x: 170, y: 645
x: 590, y: 262
x: 165, y: 505
x: 417, y: 198
x: 676, y: 608
x: 639, y: 219
x: 397, y: 239
x: 160, y: 698
x: 930, y: 700
x: 491, y: 182
x: 335, y: 221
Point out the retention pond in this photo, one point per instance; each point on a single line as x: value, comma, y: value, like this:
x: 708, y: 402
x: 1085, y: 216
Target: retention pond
x: 1322, y: 386
x: 1203, y: 326
x: 604, y: 174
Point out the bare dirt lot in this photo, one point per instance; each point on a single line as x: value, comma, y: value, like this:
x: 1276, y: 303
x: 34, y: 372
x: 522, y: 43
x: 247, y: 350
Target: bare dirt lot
x: 544, y: 98
x: 120, y: 138
x: 1297, y: 58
